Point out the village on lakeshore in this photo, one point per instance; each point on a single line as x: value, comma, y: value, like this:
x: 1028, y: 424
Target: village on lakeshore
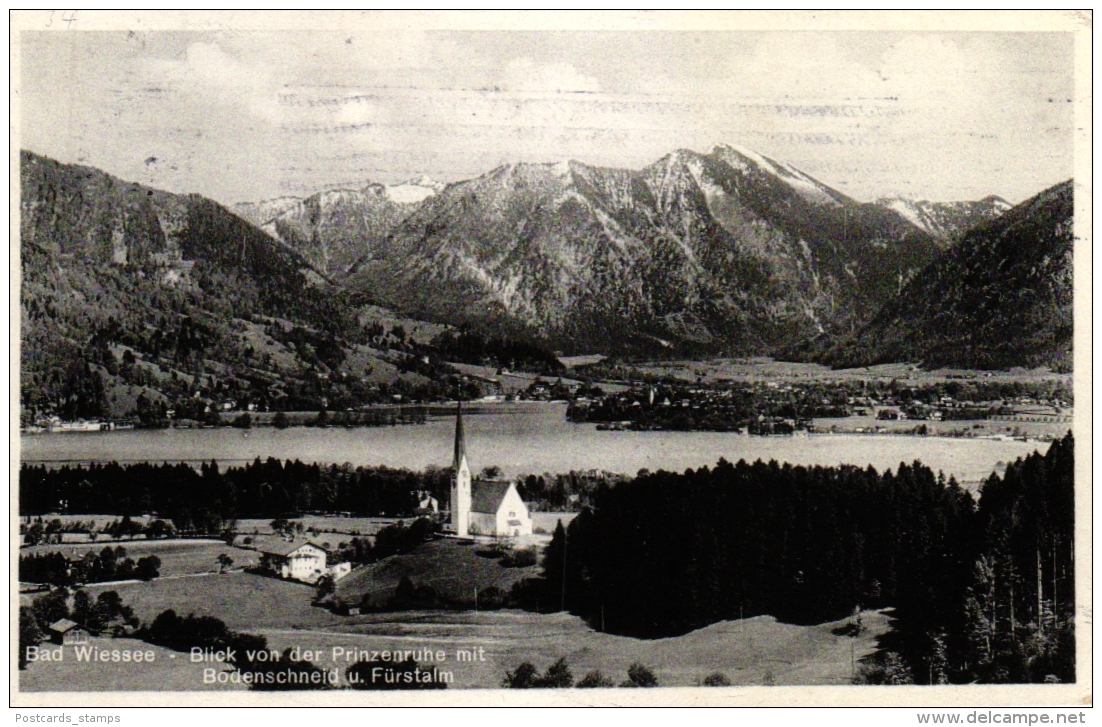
x: 757, y: 398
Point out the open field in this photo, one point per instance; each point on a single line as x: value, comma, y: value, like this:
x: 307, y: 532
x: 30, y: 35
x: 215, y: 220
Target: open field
x: 1043, y: 431
x: 766, y: 369
x: 178, y: 557
x: 453, y: 569
x: 336, y: 529
x: 244, y: 601
x: 516, y: 381
x: 348, y: 527
x: 99, y: 521
x: 572, y: 361
x: 749, y: 652
x: 511, y: 383
x: 752, y: 651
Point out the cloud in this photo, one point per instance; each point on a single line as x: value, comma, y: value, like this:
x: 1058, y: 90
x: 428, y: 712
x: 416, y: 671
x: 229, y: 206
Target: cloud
x: 208, y: 73
x: 525, y: 75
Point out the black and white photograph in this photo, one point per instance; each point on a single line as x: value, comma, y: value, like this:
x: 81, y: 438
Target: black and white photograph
x: 608, y: 356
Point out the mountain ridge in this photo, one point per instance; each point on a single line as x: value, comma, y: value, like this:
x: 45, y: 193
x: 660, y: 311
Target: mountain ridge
x: 133, y: 298
x: 946, y: 221
x: 1000, y: 297
x: 673, y: 250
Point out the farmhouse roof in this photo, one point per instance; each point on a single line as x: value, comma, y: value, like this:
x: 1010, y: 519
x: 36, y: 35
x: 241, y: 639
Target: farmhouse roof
x: 486, y: 497
x: 63, y: 626
x: 284, y: 547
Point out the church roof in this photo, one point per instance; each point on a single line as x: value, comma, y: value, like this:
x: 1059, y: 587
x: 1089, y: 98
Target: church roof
x: 487, y: 496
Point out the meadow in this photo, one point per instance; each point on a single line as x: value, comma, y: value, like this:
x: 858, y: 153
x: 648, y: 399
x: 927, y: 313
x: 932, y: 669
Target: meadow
x: 453, y: 569
x: 753, y: 651
x: 178, y: 557
x: 246, y: 602
x: 767, y: 369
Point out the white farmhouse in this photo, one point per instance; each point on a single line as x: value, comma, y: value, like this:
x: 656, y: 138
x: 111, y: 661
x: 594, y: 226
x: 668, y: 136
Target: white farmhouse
x: 298, y: 561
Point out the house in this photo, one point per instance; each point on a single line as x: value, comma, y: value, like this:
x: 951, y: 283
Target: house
x: 301, y: 561
x: 69, y: 633
x: 483, y: 508
x: 426, y: 502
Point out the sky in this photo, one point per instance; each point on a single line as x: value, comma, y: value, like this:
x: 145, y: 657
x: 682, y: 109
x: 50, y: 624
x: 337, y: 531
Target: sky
x: 244, y: 116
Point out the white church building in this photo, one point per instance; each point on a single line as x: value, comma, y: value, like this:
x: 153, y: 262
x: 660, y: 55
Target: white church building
x: 483, y: 508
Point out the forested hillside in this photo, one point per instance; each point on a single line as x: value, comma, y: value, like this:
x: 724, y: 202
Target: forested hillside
x: 1001, y: 297
x: 980, y: 591
x: 136, y: 301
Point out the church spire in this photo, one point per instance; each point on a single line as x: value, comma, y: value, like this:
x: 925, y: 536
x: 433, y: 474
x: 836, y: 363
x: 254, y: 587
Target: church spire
x: 460, y: 444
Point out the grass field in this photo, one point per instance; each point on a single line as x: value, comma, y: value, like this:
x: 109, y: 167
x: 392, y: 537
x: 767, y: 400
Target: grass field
x: 753, y: 651
x: 749, y: 652
x: 178, y: 557
x: 335, y: 529
x: 347, y: 526
x: 967, y: 428
x: 766, y: 369
x: 243, y: 600
x: 452, y: 569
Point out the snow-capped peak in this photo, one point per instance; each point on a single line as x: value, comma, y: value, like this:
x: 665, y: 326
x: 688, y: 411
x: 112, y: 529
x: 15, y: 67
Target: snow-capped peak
x: 802, y: 184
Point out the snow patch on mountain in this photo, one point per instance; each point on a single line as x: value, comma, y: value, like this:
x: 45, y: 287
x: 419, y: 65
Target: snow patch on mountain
x: 945, y: 220
x: 803, y: 185
x: 908, y: 211
x: 413, y: 191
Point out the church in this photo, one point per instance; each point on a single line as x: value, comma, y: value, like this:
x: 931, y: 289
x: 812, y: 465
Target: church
x: 485, y: 507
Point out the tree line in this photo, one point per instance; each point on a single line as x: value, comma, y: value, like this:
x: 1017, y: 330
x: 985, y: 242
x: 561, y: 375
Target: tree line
x: 981, y: 591
x: 207, y: 500
x: 110, y: 564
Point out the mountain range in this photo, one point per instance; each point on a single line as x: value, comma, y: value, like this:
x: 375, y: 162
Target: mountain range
x: 724, y: 253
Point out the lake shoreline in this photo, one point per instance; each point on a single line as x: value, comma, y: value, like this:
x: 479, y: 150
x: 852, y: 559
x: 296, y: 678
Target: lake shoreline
x: 528, y: 438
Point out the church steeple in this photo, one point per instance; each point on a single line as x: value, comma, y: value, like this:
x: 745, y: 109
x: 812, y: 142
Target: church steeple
x: 460, y: 443
x: 460, y: 505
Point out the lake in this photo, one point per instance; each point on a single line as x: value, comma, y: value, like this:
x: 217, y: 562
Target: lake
x: 522, y: 438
